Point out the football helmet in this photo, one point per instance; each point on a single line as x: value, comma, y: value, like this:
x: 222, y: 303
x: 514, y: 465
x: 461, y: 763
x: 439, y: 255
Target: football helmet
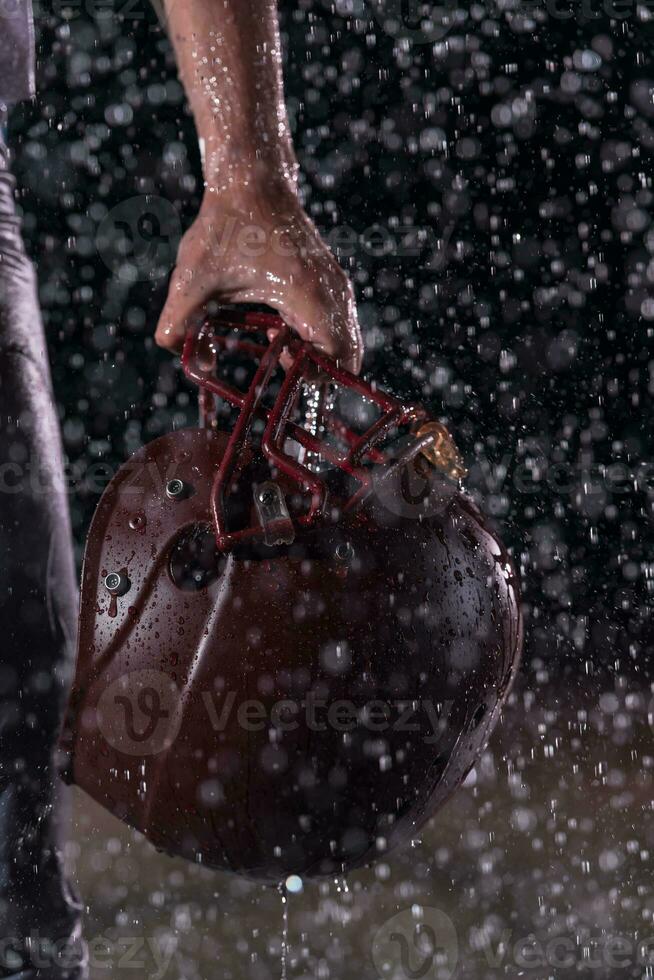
x: 296, y: 630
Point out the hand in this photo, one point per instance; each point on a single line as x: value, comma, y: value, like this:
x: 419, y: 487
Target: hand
x: 262, y: 247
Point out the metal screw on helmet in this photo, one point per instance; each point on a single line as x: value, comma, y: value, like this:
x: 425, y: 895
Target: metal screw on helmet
x: 267, y: 496
x: 273, y: 514
x: 117, y: 583
x: 344, y: 551
x: 176, y: 489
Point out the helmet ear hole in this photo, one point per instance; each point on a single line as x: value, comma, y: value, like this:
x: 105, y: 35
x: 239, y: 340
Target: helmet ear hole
x: 195, y: 561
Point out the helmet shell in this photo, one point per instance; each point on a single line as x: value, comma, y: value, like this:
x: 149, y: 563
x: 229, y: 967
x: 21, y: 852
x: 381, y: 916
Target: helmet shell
x: 299, y: 709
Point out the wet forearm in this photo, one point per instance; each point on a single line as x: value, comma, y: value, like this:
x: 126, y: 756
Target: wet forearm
x: 229, y: 58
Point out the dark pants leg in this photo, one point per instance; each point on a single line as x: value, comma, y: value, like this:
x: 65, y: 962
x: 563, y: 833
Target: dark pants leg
x: 39, y: 917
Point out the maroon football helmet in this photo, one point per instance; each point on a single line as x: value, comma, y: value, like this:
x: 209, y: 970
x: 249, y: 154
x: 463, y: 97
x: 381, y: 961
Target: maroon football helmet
x: 295, y: 636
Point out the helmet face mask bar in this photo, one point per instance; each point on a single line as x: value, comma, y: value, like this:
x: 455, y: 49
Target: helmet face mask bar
x: 286, y: 556
x: 308, y: 367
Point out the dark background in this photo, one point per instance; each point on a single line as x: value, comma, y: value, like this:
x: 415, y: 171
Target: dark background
x: 520, y: 144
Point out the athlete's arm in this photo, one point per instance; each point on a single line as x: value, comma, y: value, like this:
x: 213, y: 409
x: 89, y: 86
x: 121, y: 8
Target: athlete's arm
x: 252, y: 240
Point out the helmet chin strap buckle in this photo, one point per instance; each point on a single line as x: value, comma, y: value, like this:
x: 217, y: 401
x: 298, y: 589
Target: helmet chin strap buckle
x: 273, y: 514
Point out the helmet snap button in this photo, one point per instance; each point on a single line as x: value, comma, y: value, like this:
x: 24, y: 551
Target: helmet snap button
x: 117, y: 583
x: 344, y: 551
x: 176, y: 489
